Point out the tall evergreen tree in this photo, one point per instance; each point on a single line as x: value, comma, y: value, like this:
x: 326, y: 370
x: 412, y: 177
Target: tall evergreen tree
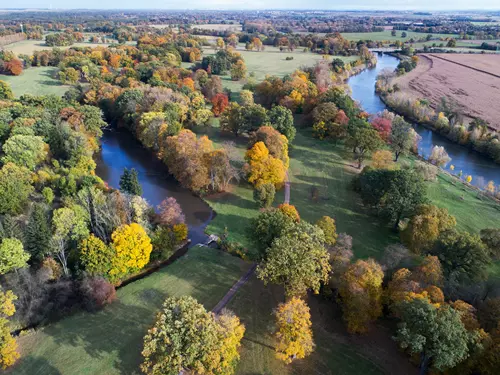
x: 129, y: 182
x: 37, y: 238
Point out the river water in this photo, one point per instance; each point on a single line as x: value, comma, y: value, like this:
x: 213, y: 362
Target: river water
x: 121, y: 150
x: 469, y: 162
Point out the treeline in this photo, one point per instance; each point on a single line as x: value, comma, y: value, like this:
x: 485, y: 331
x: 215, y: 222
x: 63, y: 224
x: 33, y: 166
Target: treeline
x: 12, y: 38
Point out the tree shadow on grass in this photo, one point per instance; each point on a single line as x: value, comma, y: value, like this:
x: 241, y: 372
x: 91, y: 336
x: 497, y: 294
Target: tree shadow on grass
x: 35, y: 365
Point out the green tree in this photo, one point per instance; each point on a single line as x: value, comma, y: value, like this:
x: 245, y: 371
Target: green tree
x: 363, y: 140
x: 185, y: 337
x: 437, y: 334
x: 463, y: 256
x: 12, y: 255
x: 297, y: 259
x: 129, y: 182
x: 25, y: 150
x: 264, y: 195
x: 491, y: 238
x: 400, y: 138
x: 37, y: 235
x: 327, y: 225
x: 281, y: 118
x: 15, y: 188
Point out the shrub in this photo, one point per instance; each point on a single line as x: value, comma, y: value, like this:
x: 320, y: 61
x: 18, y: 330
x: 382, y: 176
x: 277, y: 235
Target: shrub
x: 264, y: 195
x: 97, y: 292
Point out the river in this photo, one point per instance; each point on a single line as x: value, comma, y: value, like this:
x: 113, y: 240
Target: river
x: 469, y: 162
x: 121, y: 150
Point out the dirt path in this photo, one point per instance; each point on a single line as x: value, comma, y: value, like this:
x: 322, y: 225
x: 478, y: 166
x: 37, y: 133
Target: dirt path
x: 230, y: 294
x: 287, y: 189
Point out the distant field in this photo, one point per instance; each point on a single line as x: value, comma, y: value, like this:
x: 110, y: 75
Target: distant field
x: 386, y: 35
x: 36, y: 81
x: 27, y: 47
x: 110, y: 341
x: 218, y: 27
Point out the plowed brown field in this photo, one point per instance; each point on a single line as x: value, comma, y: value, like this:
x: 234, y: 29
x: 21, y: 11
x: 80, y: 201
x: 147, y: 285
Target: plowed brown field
x: 471, y: 81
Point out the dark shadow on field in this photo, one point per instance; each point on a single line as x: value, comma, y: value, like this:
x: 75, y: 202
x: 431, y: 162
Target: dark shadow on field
x: 231, y: 199
x: 50, y: 83
x: 41, y: 365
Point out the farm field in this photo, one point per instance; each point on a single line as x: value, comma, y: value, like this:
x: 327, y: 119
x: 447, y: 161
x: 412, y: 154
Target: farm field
x: 218, y: 27
x: 36, y: 81
x: 386, y: 35
x: 477, y: 93
x: 110, y: 341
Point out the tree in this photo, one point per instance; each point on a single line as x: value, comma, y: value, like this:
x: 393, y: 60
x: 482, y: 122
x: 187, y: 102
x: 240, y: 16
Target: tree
x: 327, y: 225
x: 463, y: 256
x: 170, y: 212
x: 5, y: 91
x: 264, y: 195
x: 221, y: 171
x: 24, y: 150
x: 489, y: 313
x: 231, y: 119
x: 276, y: 143
x: 12, y: 255
x: 8, y: 345
x: 238, y: 70
x: 269, y: 225
x: 491, y: 238
x: 425, y: 226
x: 219, y: 104
x: 293, y: 330
x: 439, y: 156
x: 437, y: 334
x: 382, y: 159
x: 96, y: 256
x: 132, y: 247
x: 363, y: 140
x: 15, y: 188
x: 14, y: 67
x: 37, y: 235
x: 400, y: 138
x: 297, y: 259
x: 383, y: 126
x: 361, y: 293
x: 281, y: 119
x: 185, y: 337
x: 129, y: 182
x: 246, y: 98
x: 262, y: 168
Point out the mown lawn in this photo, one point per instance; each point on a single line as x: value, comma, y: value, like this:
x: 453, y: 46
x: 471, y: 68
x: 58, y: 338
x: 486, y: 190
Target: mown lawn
x: 36, y: 81
x: 110, y: 341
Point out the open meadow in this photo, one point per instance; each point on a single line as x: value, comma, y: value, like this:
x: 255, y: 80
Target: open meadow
x: 110, y: 341
x: 36, y: 81
x: 27, y: 47
x: 381, y: 36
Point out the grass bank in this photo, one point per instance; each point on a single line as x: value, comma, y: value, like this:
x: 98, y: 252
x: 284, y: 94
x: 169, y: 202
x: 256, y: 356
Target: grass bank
x: 36, y: 81
x: 110, y: 341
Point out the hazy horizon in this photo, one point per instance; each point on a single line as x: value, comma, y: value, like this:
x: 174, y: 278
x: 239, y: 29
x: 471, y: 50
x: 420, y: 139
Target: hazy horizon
x: 397, y: 5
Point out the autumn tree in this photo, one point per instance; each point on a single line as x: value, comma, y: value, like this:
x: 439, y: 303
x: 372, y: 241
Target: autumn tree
x: 5, y: 91
x: 463, y: 256
x: 132, y: 247
x: 170, y: 212
x: 425, y: 226
x: 246, y: 98
x: 12, y: 255
x: 13, y: 66
x: 8, y: 345
x: 439, y: 156
x: 293, y: 330
x: 383, y: 159
x: 238, y: 70
x: 435, y: 333
x: 220, y: 170
x: 383, y: 126
x: 264, y: 195
x: 219, y: 104
x: 400, y: 138
x: 276, y: 143
x: 185, y: 337
x: 129, y: 182
x: 327, y: 225
x: 25, y: 150
x: 297, y: 259
x: 262, y: 168
x: 95, y: 256
x: 361, y: 293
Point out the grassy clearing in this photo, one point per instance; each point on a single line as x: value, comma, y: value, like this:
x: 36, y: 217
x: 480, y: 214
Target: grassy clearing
x: 27, y: 47
x: 36, y: 81
x: 386, y: 35
x: 336, y: 351
x: 110, y: 341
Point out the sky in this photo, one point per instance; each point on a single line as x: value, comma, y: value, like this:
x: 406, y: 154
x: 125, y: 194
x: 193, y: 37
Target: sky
x: 262, y: 4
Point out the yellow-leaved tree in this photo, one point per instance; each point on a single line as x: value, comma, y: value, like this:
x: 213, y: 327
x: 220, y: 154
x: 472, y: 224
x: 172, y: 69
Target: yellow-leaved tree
x: 361, y: 292
x: 132, y: 247
x: 263, y: 168
x: 8, y: 345
x: 293, y: 330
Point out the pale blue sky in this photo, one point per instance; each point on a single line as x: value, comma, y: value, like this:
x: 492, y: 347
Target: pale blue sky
x: 262, y: 4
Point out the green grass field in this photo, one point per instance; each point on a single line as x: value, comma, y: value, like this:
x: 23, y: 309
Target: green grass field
x: 380, y: 36
x: 110, y: 341
x: 27, y: 47
x: 36, y: 81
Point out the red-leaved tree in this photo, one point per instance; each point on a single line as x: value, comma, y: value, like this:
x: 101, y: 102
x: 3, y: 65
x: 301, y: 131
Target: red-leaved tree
x: 219, y: 104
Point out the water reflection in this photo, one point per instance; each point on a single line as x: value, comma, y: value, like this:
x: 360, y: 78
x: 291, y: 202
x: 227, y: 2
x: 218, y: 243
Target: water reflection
x: 469, y: 162
x: 120, y: 150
